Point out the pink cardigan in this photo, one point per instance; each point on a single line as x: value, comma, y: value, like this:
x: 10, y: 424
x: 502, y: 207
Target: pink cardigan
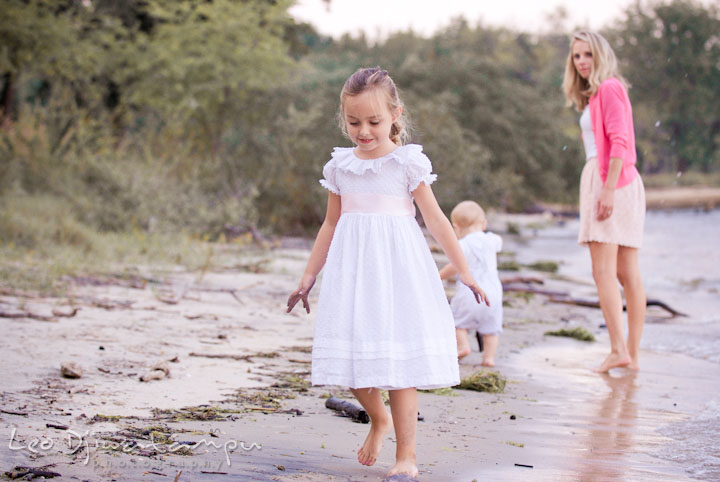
x: 612, y: 124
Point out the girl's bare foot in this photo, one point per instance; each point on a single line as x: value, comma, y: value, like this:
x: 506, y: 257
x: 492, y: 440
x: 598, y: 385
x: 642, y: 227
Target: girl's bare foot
x: 614, y: 360
x: 463, y: 352
x: 634, y: 365
x: 368, y: 453
x: 488, y: 362
x: 405, y: 466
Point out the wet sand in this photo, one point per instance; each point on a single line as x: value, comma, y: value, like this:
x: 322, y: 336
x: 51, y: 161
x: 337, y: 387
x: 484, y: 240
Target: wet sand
x: 569, y: 423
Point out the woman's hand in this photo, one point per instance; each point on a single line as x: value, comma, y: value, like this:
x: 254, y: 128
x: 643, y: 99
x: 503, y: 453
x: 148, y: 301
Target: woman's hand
x: 301, y: 293
x: 605, y: 202
x: 470, y: 282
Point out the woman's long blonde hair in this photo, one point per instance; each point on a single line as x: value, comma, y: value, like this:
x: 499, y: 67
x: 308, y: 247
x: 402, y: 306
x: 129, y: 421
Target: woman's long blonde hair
x: 375, y: 78
x: 578, y: 90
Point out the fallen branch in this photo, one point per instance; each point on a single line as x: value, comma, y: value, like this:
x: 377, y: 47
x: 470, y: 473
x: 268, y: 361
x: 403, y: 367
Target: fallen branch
x: 220, y: 355
x: 522, y: 279
x: 61, y: 314
x: 596, y: 304
x: 13, y: 412
x: 527, y: 289
x: 347, y: 409
x: 26, y: 314
x: 21, y: 472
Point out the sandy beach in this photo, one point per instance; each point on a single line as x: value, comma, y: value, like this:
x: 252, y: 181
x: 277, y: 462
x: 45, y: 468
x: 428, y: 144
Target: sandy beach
x: 233, y: 401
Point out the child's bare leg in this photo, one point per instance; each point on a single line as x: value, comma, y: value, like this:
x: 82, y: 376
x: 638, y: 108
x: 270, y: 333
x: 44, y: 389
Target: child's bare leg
x: 380, y: 423
x: 490, y: 344
x: 404, y: 408
x: 463, y: 345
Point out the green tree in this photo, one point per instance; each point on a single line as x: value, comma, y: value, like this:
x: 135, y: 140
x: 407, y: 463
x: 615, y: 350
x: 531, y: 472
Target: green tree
x: 671, y: 54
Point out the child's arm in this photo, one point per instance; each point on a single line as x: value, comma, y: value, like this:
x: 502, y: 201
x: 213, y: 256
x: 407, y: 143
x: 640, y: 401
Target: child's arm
x: 318, y: 254
x: 448, y: 271
x: 442, y: 231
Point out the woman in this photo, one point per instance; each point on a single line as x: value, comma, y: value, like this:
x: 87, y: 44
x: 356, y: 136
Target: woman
x: 612, y: 196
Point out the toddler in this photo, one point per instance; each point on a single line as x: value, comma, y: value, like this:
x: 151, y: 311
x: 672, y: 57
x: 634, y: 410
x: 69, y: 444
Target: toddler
x: 480, y: 249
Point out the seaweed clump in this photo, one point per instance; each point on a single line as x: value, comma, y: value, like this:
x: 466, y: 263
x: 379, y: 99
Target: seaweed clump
x: 546, y: 266
x: 483, y: 381
x: 579, y: 333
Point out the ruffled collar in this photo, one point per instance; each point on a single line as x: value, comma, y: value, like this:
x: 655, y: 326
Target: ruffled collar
x: 346, y: 159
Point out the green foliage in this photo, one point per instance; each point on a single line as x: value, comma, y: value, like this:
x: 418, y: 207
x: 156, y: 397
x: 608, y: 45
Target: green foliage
x: 671, y: 55
x: 212, y: 117
x: 547, y: 266
x: 579, y: 333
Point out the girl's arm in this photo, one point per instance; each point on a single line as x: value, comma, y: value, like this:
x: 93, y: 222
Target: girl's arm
x: 318, y: 254
x: 442, y: 231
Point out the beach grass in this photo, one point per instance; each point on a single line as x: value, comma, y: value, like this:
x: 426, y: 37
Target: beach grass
x: 483, y: 381
x: 579, y: 333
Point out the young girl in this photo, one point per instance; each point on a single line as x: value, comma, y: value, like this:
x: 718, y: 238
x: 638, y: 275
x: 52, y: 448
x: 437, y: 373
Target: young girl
x: 480, y: 249
x: 612, y: 196
x: 383, y: 319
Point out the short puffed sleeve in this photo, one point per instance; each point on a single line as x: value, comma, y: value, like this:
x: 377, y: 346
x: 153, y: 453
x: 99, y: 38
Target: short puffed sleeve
x: 495, y: 242
x: 329, y: 174
x: 418, y: 167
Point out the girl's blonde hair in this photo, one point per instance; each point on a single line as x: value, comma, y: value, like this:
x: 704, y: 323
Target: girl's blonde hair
x: 375, y: 78
x: 578, y: 90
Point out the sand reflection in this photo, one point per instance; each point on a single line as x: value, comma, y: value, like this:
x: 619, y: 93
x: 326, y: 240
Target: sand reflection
x: 611, y: 435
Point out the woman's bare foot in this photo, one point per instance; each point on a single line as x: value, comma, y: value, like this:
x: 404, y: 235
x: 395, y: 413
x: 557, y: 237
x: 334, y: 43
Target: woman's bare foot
x: 634, y: 365
x: 488, y: 362
x: 614, y: 360
x: 406, y: 466
x: 463, y: 352
x: 368, y: 453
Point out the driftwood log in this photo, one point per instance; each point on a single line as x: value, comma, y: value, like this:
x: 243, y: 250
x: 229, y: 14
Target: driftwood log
x: 348, y: 409
x: 596, y: 304
x: 563, y: 297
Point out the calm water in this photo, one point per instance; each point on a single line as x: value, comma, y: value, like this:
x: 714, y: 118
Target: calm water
x: 680, y: 262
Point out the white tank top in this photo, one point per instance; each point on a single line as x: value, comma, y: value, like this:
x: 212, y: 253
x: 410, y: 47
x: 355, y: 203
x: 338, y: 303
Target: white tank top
x: 587, y: 134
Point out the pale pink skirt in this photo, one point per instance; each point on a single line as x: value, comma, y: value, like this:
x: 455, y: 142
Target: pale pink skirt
x: 625, y: 226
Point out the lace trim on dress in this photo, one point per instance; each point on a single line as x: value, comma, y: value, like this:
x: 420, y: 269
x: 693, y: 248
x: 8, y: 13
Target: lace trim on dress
x: 346, y: 159
x: 410, y: 156
x: 329, y: 186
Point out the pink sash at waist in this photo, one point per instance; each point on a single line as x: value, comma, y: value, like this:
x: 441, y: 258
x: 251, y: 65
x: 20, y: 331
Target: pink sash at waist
x: 377, y: 204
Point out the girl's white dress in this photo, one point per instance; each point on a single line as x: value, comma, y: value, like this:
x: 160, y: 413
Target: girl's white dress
x: 480, y: 250
x: 383, y: 318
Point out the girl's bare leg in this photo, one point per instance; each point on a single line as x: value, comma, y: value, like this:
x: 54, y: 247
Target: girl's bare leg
x: 404, y: 408
x: 490, y: 344
x: 604, y: 265
x: 463, y: 345
x: 629, y: 275
x: 380, y: 423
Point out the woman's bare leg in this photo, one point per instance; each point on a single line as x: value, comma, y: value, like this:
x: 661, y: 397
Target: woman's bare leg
x: 404, y: 408
x: 604, y: 267
x: 380, y: 423
x: 628, y: 269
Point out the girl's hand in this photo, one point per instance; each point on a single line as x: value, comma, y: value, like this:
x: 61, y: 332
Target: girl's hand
x: 604, y: 207
x: 301, y: 293
x: 470, y: 282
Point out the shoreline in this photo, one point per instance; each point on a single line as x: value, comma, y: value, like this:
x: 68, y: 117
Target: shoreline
x: 566, y: 417
x: 657, y: 198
